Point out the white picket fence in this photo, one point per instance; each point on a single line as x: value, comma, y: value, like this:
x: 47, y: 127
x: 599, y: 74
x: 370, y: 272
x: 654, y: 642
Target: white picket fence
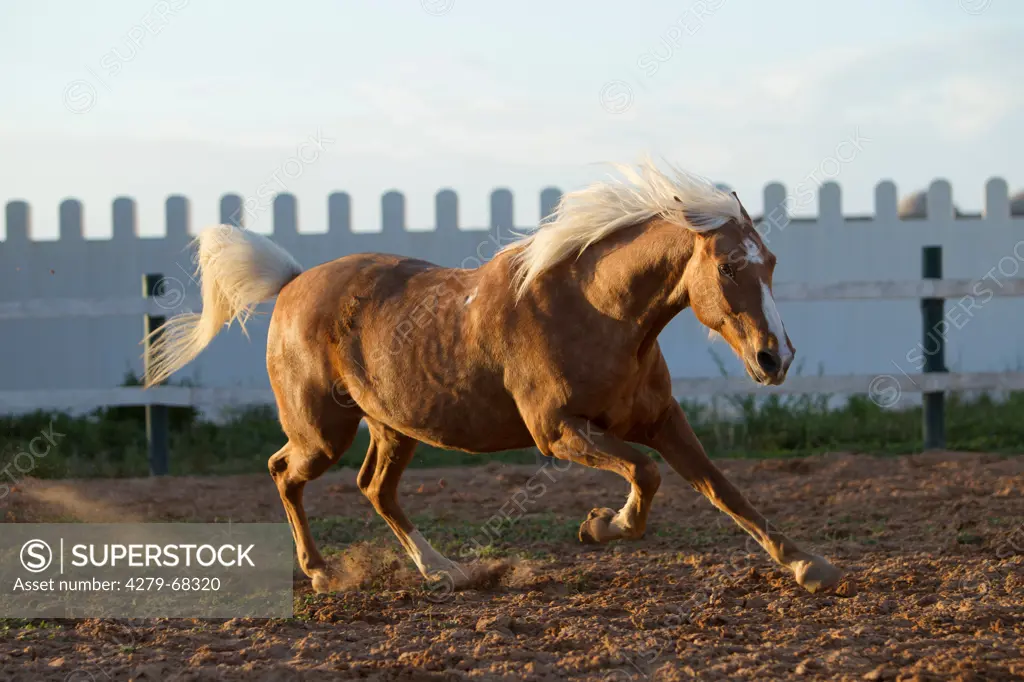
x: 848, y: 289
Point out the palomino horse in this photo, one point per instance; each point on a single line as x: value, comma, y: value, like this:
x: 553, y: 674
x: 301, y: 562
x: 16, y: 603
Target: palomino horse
x: 553, y: 342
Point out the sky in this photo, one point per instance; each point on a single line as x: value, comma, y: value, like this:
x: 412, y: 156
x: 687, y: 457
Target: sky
x: 152, y: 98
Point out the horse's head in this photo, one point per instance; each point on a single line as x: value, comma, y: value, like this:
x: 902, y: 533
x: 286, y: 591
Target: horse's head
x: 729, y: 282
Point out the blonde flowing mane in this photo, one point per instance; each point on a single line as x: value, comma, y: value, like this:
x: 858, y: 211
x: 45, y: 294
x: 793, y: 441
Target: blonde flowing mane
x: 587, y: 216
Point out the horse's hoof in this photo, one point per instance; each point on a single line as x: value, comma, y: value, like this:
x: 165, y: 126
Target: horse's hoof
x: 815, y: 574
x: 440, y: 586
x: 457, y: 575
x: 321, y: 582
x: 595, y: 530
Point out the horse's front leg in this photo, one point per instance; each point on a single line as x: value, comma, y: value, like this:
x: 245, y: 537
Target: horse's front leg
x: 576, y: 439
x: 675, y: 440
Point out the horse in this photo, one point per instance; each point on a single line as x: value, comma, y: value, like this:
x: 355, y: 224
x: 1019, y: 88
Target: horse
x: 552, y: 343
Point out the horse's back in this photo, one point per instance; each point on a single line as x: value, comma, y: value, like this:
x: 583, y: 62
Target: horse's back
x: 327, y: 289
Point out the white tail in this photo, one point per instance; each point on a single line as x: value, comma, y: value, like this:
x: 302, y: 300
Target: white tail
x: 239, y: 269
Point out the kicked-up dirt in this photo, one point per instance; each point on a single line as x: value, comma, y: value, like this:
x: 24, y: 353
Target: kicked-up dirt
x: 932, y: 546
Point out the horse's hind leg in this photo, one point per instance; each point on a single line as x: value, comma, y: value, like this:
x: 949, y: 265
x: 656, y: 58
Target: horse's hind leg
x: 389, y: 453
x: 291, y: 468
x: 574, y: 439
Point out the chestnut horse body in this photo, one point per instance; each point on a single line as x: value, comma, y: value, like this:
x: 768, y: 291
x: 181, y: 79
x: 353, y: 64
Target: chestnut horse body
x: 552, y: 343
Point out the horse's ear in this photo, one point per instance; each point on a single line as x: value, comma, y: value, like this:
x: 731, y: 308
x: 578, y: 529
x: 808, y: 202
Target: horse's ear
x: 740, y: 204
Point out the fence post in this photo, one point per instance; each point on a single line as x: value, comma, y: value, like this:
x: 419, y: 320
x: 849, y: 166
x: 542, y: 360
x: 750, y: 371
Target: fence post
x: 157, y: 430
x: 932, y: 312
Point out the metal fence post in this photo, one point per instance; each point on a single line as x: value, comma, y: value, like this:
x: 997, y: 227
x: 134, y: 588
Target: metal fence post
x: 934, y: 346
x: 157, y: 422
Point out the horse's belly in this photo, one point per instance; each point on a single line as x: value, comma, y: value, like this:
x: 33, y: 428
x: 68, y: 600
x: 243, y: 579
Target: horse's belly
x: 477, y: 424
x: 508, y: 434
x: 473, y: 413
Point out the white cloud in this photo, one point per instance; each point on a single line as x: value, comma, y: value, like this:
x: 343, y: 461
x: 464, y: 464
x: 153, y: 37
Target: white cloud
x: 960, y: 88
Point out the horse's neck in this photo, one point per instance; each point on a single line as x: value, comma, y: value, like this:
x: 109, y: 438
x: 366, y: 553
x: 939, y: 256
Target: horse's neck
x: 637, y: 275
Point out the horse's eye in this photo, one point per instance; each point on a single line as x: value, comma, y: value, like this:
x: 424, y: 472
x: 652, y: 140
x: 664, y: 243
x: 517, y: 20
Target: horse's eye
x: 727, y: 270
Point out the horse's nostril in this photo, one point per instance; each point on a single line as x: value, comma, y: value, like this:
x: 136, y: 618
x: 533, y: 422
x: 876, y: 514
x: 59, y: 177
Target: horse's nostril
x: 768, y: 361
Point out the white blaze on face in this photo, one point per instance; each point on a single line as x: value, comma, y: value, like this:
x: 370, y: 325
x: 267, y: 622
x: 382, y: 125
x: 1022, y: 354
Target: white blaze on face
x: 751, y: 252
x: 775, y: 326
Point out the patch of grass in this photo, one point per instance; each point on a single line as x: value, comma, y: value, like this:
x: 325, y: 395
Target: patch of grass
x: 343, y: 531
x: 968, y: 538
x: 25, y: 625
x: 696, y: 538
x: 111, y: 442
x: 786, y: 426
x: 578, y: 582
x: 462, y: 540
x: 490, y: 552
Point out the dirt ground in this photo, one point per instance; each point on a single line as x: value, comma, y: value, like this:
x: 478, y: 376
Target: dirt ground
x: 932, y: 546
